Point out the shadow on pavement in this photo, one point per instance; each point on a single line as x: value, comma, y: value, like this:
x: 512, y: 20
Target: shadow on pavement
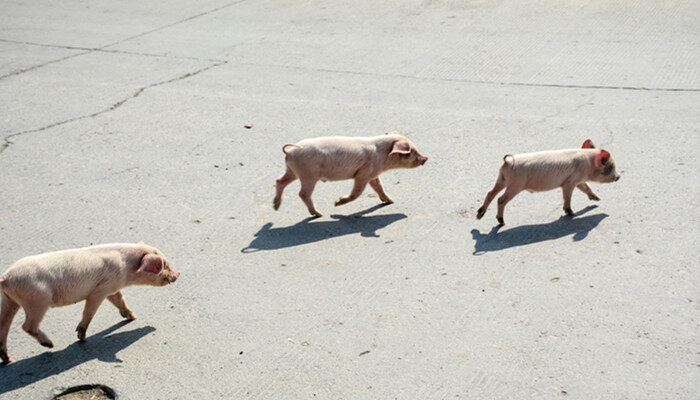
x: 529, y: 234
x: 306, y: 231
x: 99, y: 346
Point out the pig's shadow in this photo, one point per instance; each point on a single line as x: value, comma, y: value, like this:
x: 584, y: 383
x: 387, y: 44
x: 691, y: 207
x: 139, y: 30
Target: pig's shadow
x: 529, y: 234
x: 99, y: 346
x: 307, y: 231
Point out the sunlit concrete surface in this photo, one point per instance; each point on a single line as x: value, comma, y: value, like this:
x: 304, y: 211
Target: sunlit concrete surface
x: 124, y: 121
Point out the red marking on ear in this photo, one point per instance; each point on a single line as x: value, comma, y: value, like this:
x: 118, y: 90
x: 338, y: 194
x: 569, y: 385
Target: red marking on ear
x: 602, y: 158
x: 153, y: 269
x: 151, y: 263
x: 588, y: 144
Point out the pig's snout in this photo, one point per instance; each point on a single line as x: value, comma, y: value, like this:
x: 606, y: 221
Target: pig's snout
x: 422, y: 159
x: 173, y: 277
x: 617, y: 176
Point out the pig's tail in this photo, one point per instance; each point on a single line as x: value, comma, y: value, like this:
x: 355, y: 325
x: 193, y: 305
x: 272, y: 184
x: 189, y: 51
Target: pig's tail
x: 512, y: 159
x: 289, y: 145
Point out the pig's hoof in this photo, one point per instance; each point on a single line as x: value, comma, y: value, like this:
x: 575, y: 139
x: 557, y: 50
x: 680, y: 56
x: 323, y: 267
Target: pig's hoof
x: 127, y: 314
x: 388, y: 200
x: 568, y: 212
x: 480, y: 213
x: 276, y: 204
x: 81, y: 333
x: 316, y: 214
x: 5, y: 357
x: 500, y: 221
x: 593, y: 197
x: 48, y: 344
x: 340, y: 202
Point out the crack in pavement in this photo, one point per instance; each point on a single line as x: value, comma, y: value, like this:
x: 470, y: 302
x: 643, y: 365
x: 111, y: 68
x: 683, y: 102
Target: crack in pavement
x: 102, y: 48
x: 33, y: 67
x: 480, y: 81
x: 233, y: 3
x: 7, y: 142
x: 566, y: 86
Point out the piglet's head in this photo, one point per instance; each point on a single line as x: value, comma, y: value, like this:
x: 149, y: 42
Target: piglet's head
x: 404, y: 154
x: 155, y: 270
x: 604, y: 169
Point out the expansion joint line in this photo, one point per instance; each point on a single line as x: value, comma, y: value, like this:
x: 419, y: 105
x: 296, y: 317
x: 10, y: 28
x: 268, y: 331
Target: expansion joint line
x: 103, y: 48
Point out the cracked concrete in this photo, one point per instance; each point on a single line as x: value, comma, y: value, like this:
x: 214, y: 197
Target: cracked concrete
x: 8, y: 142
x: 503, y: 83
x: 120, y: 41
x: 105, y: 50
x: 143, y: 138
x: 32, y: 68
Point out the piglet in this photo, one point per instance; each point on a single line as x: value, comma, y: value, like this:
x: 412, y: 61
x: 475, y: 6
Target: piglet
x: 66, y: 277
x: 547, y: 170
x: 337, y: 158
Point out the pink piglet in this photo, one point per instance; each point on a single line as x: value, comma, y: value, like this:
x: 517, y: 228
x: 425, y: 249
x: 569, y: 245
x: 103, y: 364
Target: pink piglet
x: 65, y: 277
x: 337, y: 158
x: 547, y: 170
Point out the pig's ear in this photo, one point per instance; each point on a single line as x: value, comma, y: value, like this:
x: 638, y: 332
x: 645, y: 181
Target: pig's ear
x: 151, y: 263
x: 588, y: 144
x: 602, y: 158
x: 400, y: 147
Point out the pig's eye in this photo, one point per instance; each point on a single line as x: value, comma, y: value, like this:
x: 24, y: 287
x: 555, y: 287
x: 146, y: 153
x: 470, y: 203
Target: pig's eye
x: 608, y: 169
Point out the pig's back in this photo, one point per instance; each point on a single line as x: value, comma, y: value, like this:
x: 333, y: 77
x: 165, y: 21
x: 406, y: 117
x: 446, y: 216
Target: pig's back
x: 331, y: 158
x: 82, y: 256
x: 331, y: 147
x: 548, y: 170
x: 67, y: 275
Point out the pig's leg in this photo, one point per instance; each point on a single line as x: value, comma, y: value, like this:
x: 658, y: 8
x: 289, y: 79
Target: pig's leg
x: 7, y: 314
x: 357, y: 189
x: 91, y: 305
x: 282, y: 183
x: 500, y: 184
x: 587, y: 190
x: 34, y: 313
x: 307, y: 188
x: 377, y: 186
x: 118, y: 300
x: 511, y: 191
x: 567, y: 191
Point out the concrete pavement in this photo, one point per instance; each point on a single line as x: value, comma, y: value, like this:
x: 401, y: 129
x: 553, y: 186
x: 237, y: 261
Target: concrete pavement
x: 124, y: 122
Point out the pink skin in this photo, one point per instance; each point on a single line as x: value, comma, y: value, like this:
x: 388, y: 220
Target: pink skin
x: 547, y: 170
x: 338, y: 158
x: 66, y: 277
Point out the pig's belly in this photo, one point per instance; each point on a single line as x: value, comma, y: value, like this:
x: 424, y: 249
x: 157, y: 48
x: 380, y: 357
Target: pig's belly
x: 335, y: 176
x: 61, y: 299
x: 540, y: 187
